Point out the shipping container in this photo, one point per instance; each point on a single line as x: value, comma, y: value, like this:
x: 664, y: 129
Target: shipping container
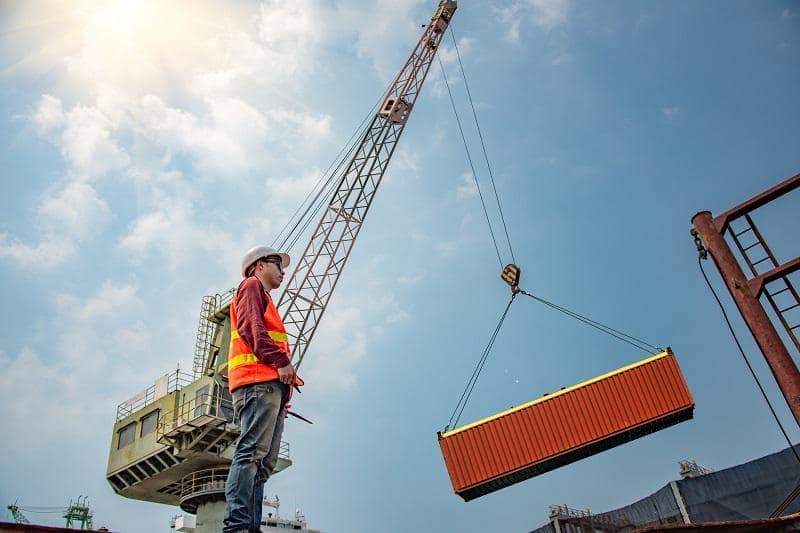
x: 565, y: 426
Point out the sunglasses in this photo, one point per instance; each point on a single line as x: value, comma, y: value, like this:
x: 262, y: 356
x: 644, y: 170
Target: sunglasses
x: 275, y: 260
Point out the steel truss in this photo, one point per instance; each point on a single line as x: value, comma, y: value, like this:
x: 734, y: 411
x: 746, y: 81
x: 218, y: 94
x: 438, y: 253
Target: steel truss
x: 308, y: 291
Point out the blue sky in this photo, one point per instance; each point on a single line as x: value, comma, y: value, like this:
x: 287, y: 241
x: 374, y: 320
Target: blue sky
x: 146, y: 145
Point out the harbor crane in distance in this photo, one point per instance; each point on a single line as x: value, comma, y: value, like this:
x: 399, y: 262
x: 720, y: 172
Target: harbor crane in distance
x: 172, y: 443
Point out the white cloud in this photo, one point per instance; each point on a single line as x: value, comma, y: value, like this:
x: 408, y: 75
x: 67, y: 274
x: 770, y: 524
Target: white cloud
x: 411, y: 279
x: 448, y: 54
x: 447, y: 248
x: 275, y: 56
x: 232, y: 117
x: 76, y: 213
x: 223, y: 142
x: 136, y: 337
x: 26, y: 386
x: 291, y: 190
x: 548, y: 14
x: 172, y: 232
x: 110, y: 298
x: 340, y: 345
x: 561, y: 58
x: 381, y: 30
x: 511, y: 18
x: 82, y: 368
x: 543, y: 14
x: 145, y: 45
x: 405, y: 162
x: 467, y: 188
x: 391, y: 309
x: 83, y: 137
x: 226, y: 131
x: 180, y: 237
x: 44, y: 254
x: 49, y: 114
x: 87, y: 143
x: 146, y: 230
x: 290, y: 29
x: 64, y: 219
x: 107, y: 327
x: 671, y: 114
x: 230, y: 60
x: 346, y: 335
x: 304, y: 125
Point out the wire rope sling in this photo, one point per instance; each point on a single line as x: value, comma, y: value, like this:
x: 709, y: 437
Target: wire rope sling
x: 565, y: 426
x: 562, y: 427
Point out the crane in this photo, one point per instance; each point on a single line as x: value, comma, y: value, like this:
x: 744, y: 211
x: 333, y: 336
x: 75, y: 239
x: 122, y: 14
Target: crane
x: 172, y: 442
x: 309, y: 290
x: 17, y: 515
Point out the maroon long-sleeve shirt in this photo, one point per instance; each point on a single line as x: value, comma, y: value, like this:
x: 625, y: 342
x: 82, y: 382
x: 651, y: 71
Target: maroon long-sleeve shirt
x: 251, y: 304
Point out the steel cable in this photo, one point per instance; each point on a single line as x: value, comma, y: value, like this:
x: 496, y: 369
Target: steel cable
x: 624, y: 337
x: 325, y: 201
x: 483, y: 145
x: 341, y: 157
x: 462, y: 402
x: 469, y: 158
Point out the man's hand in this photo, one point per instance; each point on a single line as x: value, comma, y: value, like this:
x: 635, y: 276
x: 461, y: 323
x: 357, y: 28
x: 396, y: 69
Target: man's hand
x: 287, y: 374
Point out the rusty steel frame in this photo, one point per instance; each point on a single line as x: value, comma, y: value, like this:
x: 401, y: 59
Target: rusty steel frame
x: 760, y: 280
x: 308, y: 291
x: 746, y: 292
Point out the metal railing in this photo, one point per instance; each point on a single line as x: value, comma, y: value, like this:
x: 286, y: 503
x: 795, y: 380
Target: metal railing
x: 212, y: 405
x: 564, y: 511
x: 213, y: 479
x: 690, y: 468
x: 204, y: 481
x: 584, y: 517
x: 166, y: 384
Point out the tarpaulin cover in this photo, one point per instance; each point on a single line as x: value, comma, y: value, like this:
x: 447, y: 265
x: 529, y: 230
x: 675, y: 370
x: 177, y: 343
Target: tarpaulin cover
x: 749, y: 491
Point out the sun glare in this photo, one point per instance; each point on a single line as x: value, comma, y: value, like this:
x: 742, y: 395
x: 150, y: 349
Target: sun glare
x: 129, y: 47
x: 122, y: 16
x: 132, y: 22
x: 137, y: 43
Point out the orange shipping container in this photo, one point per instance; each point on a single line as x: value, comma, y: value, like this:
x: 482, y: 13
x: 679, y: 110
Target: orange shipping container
x: 563, y: 427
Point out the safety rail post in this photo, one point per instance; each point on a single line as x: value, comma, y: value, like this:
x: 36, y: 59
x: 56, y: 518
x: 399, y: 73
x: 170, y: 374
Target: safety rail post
x: 712, y: 230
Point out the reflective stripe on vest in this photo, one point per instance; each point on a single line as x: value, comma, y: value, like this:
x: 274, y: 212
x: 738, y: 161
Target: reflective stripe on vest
x: 277, y: 336
x: 244, y: 366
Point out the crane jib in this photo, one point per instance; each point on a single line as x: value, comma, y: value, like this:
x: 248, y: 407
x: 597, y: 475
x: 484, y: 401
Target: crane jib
x: 308, y: 291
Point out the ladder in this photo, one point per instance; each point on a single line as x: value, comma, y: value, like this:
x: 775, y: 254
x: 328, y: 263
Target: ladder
x: 780, y: 293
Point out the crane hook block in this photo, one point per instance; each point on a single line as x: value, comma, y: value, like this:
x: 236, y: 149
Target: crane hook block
x: 511, y: 274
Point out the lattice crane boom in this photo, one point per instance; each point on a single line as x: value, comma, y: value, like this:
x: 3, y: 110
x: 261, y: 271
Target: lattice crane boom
x: 309, y: 289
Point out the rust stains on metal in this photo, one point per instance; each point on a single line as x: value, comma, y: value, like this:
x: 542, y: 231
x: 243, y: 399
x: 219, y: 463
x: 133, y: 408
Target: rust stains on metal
x: 566, y: 426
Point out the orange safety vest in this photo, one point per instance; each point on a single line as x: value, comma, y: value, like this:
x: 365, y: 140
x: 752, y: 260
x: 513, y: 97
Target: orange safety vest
x: 244, y: 366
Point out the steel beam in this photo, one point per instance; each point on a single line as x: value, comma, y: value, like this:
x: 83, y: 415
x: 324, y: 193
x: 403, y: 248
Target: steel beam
x: 777, y: 356
x: 757, y: 283
x: 757, y: 201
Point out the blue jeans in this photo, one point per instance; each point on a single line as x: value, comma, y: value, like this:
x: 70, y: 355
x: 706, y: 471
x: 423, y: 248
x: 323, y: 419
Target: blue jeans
x: 260, y: 410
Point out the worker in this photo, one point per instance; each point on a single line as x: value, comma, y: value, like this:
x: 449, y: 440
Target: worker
x: 260, y: 377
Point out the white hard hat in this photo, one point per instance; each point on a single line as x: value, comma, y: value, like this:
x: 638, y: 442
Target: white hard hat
x: 259, y: 252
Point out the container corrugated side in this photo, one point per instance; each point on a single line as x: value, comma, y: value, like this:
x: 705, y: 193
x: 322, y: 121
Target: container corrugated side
x: 566, y: 426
